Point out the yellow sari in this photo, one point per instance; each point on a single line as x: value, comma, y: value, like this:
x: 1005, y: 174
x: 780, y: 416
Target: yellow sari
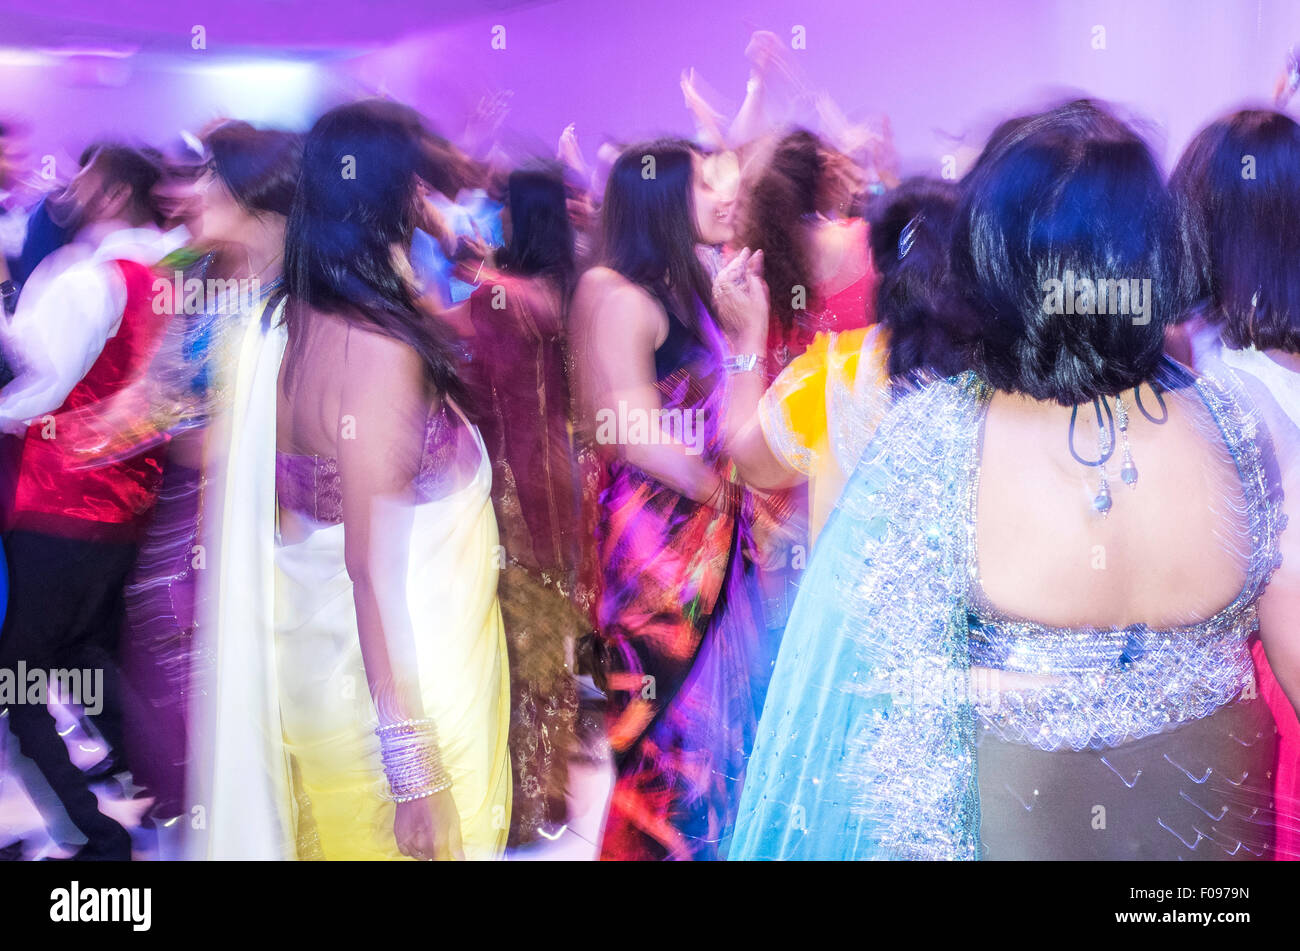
x: 287, y: 764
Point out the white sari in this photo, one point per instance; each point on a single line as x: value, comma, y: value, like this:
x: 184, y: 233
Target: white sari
x: 293, y: 768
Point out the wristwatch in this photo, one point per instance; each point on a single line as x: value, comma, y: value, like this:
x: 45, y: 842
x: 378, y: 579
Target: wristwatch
x: 9, y: 294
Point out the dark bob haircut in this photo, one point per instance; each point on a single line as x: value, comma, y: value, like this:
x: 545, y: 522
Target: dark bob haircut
x: 931, y: 326
x: 1237, y: 188
x: 1066, y: 246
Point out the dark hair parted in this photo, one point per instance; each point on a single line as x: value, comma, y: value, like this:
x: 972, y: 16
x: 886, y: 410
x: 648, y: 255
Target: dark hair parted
x: 931, y: 326
x: 541, y: 237
x: 1237, y: 189
x: 648, y: 229
x: 259, y: 166
x: 124, y: 165
x: 1059, y: 202
x: 777, y: 211
x: 354, y: 207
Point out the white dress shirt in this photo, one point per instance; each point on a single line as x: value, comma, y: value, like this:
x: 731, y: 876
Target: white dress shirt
x: 13, y: 226
x: 69, y: 309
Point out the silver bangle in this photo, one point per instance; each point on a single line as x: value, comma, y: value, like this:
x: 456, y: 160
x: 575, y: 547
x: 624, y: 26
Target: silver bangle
x: 744, y: 363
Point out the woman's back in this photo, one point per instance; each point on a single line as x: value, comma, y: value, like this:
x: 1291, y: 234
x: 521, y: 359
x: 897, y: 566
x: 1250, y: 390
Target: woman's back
x: 355, y: 407
x: 1173, y: 548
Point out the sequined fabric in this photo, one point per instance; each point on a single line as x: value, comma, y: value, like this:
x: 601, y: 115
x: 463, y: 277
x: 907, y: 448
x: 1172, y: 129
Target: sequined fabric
x: 866, y: 748
x: 866, y: 745
x: 1114, y: 686
x: 313, y: 485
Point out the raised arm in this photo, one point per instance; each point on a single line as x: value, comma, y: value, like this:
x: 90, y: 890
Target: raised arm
x: 741, y: 298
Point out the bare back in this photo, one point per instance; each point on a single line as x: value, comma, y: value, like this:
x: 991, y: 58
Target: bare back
x: 1173, y: 550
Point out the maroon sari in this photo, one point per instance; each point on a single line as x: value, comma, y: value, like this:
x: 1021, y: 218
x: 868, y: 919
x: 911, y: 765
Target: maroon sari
x: 521, y: 394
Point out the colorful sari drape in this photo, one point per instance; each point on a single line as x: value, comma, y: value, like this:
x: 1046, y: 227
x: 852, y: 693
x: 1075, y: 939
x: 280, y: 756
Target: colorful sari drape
x: 682, y: 651
x: 521, y: 397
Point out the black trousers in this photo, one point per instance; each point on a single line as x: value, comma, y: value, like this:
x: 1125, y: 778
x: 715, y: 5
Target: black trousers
x: 66, y: 611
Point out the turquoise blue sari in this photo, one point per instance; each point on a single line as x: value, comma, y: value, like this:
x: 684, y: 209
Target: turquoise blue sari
x: 865, y: 749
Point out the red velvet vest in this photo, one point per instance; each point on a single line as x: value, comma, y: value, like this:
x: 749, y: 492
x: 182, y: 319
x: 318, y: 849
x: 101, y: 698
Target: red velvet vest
x: 110, y: 502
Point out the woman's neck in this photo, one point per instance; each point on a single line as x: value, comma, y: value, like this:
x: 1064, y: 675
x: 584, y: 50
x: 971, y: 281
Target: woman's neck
x: 262, y: 254
x: 1284, y: 358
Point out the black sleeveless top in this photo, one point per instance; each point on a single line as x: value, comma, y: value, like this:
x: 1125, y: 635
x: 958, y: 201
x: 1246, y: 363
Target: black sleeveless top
x: 674, y: 351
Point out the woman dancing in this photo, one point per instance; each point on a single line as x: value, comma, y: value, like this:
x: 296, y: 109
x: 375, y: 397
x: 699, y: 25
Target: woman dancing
x: 519, y: 317
x: 816, y: 418
x: 683, y: 656
x: 996, y: 654
x: 817, y: 269
x: 361, y: 697
x: 244, y: 198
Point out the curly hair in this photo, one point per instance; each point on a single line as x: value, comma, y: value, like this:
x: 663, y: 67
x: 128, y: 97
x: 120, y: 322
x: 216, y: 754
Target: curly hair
x: 777, y: 208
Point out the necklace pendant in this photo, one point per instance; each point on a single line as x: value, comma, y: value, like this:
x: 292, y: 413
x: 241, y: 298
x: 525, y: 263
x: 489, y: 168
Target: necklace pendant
x: 1101, y: 502
x: 1129, y: 473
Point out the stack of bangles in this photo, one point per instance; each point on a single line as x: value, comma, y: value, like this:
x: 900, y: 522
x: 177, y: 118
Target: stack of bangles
x: 409, y: 750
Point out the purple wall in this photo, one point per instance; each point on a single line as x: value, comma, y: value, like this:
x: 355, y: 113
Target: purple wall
x: 944, y: 70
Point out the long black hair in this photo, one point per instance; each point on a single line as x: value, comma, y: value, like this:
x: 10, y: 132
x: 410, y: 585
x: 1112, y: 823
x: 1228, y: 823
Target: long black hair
x: 541, y: 237
x: 1237, y: 188
x: 259, y: 167
x: 931, y: 326
x: 648, y: 228
x: 355, y: 203
x: 1071, y: 192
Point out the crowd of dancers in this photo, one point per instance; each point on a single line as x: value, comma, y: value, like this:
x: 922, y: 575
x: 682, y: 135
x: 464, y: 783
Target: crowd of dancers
x: 917, y: 518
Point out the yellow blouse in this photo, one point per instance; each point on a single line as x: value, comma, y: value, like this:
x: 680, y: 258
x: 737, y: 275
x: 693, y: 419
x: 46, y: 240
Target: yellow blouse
x: 821, y: 412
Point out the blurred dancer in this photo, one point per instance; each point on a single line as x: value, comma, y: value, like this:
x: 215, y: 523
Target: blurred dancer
x: 1244, y: 237
x: 971, y: 668
x: 13, y: 219
x: 817, y: 270
x: 183, y: 162
x: 361, y: 692
x: 519, y: 315
x: 237, y: 209
x: 816, y: 418
x: 682, y: 650
x: 80, y: 336
x: 819, y: 279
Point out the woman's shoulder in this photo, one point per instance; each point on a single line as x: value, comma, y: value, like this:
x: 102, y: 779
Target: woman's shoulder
x: 603, y: 287
x: 346, y: 344
x: 601, y: 277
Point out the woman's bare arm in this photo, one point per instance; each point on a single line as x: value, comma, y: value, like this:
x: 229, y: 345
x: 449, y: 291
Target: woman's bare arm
x: 616, y: 328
